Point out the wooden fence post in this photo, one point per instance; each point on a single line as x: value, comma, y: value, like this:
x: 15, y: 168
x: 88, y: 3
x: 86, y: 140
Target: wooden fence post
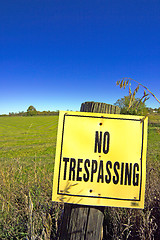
x: 84, y: 222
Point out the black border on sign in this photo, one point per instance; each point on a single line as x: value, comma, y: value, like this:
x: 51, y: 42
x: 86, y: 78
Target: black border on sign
x: 128, y: 119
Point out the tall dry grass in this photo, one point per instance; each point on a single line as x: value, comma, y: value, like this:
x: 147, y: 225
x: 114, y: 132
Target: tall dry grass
x: 27, y: 211
x: 121, y: 223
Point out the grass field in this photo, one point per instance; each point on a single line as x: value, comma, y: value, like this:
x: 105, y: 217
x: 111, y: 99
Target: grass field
x: 27, y: 149
x: 28, y: 136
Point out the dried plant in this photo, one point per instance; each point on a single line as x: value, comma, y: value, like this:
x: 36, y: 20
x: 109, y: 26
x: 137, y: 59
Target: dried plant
x: 133, y: 103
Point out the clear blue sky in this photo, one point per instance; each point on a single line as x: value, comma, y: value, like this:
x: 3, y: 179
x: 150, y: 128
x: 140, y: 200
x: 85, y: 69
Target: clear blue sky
x: 56, y: 54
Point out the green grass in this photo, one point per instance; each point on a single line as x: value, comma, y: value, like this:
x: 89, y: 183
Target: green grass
x: 153, y: 149
x: 153, y: 146
x: 27, y: 136
x: 154, y: 120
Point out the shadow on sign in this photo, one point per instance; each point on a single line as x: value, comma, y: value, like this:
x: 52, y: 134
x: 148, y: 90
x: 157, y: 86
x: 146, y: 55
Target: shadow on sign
x: 66, y: 191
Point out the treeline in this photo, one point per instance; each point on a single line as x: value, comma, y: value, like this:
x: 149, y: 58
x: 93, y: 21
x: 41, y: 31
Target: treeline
x: 31, y: 111
x: 37, y: 113
x: 154, y: 110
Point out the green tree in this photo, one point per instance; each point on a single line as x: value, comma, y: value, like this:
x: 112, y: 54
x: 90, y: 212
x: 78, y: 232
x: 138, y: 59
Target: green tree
x: 31, y: 111
x: 124, y: 102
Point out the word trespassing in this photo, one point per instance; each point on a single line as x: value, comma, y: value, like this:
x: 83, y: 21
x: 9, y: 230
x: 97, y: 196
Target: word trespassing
x: 99, y: 171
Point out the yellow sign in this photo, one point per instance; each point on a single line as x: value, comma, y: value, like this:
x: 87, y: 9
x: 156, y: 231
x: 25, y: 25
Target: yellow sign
x: 100, y: 159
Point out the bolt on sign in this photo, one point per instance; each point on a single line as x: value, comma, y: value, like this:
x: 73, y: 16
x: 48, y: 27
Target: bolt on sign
x: 100, y: 159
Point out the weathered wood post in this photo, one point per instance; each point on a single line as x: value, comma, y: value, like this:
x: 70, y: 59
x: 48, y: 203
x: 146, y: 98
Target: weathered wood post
x: 84, y: 222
